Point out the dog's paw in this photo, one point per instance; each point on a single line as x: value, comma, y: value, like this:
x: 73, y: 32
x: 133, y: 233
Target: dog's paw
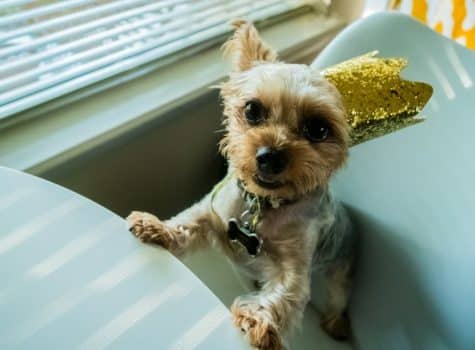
x: 149, y: 229
x: 255, y: 323
x: 337, y: 326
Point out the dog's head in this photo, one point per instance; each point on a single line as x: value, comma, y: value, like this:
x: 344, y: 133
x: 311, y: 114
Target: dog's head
x: 286, y: 131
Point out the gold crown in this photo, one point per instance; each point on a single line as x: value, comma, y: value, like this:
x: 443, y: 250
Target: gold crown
x: 377, y: 100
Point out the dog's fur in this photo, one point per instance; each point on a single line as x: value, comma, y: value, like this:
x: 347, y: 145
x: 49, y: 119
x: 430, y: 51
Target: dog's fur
x: 309, y: 231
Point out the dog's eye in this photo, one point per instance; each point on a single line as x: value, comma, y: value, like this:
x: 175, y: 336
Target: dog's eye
x: 254, y: 112
x: 315, y: 130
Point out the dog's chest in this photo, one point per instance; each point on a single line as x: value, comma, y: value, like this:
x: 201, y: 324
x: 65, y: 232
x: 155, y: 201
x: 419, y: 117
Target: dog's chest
x: 276, y: 223
x: 289, y: 225
x: 275, y: 228
x: 283, y: 236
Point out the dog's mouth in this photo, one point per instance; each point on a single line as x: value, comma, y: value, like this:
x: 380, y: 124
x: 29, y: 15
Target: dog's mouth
x: 265, y: 182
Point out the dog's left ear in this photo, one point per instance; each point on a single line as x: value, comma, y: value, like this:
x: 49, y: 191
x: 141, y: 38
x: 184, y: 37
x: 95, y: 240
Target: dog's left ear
x: 246, y: 47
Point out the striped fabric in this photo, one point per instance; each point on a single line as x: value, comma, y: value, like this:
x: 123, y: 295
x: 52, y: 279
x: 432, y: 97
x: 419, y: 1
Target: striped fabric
x: 452, y: 18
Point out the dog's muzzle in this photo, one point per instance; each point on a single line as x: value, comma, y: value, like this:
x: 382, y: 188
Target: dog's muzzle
x: 271, y: 161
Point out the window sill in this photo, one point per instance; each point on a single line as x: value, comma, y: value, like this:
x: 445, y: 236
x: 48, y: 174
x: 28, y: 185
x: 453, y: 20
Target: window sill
x: 68, y: 127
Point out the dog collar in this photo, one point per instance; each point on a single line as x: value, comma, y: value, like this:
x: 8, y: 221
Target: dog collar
x: 265, y: 202
x: 242, y: 230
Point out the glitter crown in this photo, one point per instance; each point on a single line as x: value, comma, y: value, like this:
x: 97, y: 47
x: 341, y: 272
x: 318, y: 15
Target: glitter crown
x: 377, y: 100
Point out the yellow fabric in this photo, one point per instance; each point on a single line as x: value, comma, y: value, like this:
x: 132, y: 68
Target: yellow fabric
x: 453, y: 18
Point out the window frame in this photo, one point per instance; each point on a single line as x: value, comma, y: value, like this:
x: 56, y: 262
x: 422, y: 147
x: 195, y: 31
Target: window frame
x: 52, y: 133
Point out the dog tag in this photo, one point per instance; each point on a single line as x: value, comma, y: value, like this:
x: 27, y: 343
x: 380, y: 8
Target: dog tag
x: 239, y: 233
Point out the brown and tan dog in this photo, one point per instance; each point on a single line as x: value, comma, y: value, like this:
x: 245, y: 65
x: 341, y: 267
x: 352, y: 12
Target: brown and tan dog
x: 273, y: 215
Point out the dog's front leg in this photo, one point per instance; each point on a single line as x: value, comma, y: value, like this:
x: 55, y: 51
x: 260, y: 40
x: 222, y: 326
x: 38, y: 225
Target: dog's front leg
x: 277, y: 308
x: 188, y: 230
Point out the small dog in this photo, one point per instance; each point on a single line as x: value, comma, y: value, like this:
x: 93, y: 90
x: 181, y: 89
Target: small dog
x: 273, y: 216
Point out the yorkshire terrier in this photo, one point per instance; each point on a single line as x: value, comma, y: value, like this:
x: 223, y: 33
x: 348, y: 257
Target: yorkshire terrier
x: 273, y: 214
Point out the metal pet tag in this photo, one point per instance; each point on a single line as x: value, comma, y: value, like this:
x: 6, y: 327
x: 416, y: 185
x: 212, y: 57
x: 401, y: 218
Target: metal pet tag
x: 240, y: 233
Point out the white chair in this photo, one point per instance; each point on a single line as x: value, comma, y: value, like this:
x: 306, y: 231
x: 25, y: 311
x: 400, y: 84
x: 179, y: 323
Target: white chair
x: 412, y: 197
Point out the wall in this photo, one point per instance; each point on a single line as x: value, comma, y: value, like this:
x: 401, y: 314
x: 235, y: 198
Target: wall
x: 161, y: 167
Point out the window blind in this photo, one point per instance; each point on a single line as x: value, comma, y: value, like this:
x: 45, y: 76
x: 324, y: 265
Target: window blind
x: 49, y: 48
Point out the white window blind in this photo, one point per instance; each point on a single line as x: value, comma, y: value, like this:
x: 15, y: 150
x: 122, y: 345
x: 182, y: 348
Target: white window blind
x: 49, y: 48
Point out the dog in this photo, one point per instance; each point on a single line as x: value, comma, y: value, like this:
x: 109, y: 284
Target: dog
x: 273, y: 215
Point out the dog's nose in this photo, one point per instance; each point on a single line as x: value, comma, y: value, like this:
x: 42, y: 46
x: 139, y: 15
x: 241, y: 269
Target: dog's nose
x: 271, y: 161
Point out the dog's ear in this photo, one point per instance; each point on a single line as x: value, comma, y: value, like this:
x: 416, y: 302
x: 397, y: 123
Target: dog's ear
x: 246, y: 47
